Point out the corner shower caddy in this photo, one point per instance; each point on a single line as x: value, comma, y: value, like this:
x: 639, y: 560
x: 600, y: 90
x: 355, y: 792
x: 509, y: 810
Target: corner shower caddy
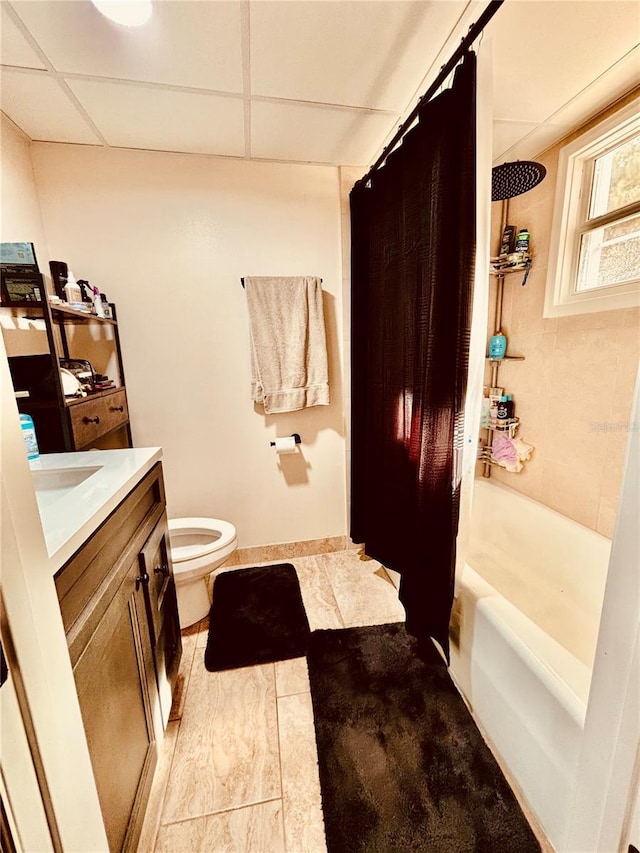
x: 513, y: 423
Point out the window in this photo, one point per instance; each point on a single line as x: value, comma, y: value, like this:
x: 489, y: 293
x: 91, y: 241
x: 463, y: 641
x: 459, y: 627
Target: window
x: 594, y: 261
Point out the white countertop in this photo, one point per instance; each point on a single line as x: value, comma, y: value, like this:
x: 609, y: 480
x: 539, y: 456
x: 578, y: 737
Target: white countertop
x: 70, y: 513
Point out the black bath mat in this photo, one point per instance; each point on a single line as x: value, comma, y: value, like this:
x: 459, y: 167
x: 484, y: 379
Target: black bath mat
x: 402, y: 765
x: 257, y: 616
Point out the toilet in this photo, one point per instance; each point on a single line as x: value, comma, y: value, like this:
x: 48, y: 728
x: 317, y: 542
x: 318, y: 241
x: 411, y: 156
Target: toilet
x: 198, y: 547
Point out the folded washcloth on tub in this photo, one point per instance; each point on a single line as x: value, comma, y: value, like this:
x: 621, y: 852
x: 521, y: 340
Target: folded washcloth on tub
x: 288, y: 343
x: 509, y: 452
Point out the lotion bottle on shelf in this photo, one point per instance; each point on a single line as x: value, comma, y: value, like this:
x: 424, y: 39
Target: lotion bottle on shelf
x: 498, y: 345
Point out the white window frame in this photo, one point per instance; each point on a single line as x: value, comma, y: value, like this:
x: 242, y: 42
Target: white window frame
x: 570, y: 220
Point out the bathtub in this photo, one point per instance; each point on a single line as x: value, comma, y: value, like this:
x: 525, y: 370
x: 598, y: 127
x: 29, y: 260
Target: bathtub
x: 524, y: 629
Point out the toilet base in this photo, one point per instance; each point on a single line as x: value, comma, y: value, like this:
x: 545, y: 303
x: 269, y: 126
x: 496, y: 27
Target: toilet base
x: 194, y: 601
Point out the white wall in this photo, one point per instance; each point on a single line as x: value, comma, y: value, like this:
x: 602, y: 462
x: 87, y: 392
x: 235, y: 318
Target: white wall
x: 42, y: 666
x: 168, y: 237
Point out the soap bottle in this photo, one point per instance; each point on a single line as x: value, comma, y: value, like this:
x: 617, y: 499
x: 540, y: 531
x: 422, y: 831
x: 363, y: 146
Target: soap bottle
x: 72, y: 289
x: 510, y: 406
x: 508, y: 240
x: 498, y: 346
x: 29, y: 436
x: 523, y: 240
x: 502, y: 409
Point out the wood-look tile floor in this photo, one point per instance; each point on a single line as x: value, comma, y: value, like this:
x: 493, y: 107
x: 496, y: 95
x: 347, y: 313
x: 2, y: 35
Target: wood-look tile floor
x: 238, y: 767
x: 237, y: 772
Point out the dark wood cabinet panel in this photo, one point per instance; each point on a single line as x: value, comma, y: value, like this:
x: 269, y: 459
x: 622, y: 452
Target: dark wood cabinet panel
x: 155, y: 563
x: 115, y: 679
x: 123, y: 632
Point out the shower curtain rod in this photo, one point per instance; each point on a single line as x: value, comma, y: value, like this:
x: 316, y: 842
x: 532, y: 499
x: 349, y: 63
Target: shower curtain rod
x: 474, y: 31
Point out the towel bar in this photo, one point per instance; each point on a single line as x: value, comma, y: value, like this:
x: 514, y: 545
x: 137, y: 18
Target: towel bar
x: 242, y: 281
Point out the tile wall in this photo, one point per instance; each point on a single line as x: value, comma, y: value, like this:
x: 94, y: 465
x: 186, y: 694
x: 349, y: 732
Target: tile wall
x: 573, y: 392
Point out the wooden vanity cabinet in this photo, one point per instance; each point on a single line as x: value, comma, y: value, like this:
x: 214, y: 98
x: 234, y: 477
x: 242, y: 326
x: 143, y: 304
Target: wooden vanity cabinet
x: 122, y: 627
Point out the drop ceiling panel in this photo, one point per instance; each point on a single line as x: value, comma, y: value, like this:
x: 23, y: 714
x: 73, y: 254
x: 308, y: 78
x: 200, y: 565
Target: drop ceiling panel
x: 14, y: 47
x: 161, y: 119
x: 184, y: 43
x: 546, y: 52
x: 368, y: 54
x: 37, y: 104
x: 311, y: 134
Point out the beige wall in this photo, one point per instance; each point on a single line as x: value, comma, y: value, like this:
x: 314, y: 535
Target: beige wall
x: 574, y: 391
x: 168, y: 237
x: 20, y: 222
x: 29, y: 595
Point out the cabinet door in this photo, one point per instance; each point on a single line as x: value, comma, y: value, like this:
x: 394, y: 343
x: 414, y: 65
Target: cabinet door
x: 115, y: 679
x: 162, y: 605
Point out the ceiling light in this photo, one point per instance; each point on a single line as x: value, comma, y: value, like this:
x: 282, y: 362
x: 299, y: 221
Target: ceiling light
x: 130, y: 13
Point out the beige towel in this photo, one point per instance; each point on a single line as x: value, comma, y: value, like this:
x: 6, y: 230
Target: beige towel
x: 288, y: 343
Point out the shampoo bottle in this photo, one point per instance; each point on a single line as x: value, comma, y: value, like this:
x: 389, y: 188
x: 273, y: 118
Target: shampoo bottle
x: 523, y: 240
x: 497, y: 346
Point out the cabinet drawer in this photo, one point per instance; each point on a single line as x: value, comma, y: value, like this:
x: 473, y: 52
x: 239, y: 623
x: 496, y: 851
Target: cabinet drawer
x: 95, y: 417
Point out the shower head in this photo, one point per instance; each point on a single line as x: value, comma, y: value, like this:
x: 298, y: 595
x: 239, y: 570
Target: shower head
x: 512, y: 179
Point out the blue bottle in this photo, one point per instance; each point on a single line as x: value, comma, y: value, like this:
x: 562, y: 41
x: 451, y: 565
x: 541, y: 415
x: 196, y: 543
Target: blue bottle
x: 29, y: 436
x: 497, y: 345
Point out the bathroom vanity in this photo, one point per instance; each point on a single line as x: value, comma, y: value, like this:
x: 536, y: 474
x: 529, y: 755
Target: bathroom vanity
x: 117, y: 599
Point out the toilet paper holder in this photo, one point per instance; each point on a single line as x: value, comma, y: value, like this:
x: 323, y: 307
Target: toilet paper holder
x: 294, y: 436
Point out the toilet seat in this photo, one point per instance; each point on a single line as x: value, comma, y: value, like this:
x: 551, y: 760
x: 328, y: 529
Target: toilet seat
x: 204, y: 540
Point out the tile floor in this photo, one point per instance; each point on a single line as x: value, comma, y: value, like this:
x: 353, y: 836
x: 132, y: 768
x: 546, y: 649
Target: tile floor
x: 238, y: 767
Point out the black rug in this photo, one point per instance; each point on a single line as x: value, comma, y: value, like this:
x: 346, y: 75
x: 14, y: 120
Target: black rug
x: 257, y: 616
x: 402, y: 765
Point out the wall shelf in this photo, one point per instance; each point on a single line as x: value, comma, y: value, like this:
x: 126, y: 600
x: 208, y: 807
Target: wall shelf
x: 505, y: 358
x: 513, y: 423
x: 69, y: 423
x: 66, y: 314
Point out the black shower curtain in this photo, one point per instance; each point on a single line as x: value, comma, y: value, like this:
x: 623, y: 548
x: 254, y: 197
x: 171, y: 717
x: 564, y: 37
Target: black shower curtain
x: 413, y: 251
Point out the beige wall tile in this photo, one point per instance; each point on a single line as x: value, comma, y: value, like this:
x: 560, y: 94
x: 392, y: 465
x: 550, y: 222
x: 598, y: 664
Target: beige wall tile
x: 572, y: 437
x: 253, y: 829
x: 570, y: 490
x: 285, y: 551
x: 303, y: 822
x: 292, y: 676
x: 579, y: 372
x: 600, y: 320
x: 586, y: 363
x: 528, y: 302
x: 226, y: 754
x: 606, y: 522
x: 528, y: 482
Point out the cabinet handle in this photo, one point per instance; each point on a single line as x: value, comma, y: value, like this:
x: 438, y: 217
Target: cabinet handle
x: 116, y: 408
x: 95, y: 420
x: 141, y: 579
x: 162, y: 570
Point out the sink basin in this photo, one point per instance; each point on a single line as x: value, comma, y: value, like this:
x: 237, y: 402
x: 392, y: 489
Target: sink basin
x: 53, y: 484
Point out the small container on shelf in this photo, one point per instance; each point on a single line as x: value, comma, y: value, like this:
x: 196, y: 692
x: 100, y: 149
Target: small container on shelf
x: 29, y: 436
x: 498, y: 346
